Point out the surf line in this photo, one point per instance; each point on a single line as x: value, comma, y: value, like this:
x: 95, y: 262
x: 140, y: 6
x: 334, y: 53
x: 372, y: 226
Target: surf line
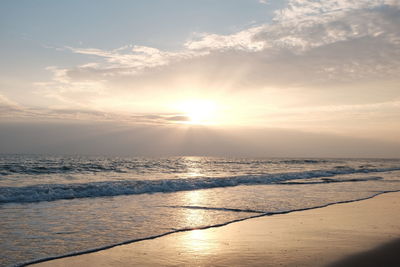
x: 196, y: 228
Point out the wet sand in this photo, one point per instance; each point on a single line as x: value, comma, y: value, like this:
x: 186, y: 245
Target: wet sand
x: 339, y: 235
x: 386, y: 255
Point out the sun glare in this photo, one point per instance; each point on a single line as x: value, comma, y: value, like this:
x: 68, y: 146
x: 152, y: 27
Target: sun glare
x: 199, y: 111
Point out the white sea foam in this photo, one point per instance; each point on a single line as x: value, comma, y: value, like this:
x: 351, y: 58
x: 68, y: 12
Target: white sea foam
x: 51, y: 192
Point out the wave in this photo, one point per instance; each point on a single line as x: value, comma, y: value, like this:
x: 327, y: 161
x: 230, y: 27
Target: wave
x: 9, y: 169
x: 12, y: 166
x: 304, y: 161
x: 51, y: 192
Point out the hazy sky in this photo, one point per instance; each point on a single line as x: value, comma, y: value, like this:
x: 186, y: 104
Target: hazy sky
x: 204, y: 77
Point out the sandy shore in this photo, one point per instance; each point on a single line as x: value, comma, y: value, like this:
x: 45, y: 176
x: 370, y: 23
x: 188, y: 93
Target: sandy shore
x: 362, y: 233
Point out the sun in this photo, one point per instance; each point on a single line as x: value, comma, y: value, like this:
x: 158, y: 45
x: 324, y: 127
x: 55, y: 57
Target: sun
x: 199, y: 111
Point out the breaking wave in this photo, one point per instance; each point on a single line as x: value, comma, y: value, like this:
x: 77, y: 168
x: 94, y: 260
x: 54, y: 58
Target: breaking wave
x: 51, y: 192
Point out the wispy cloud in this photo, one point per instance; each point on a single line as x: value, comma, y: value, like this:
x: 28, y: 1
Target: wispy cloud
x: 131, y: 60
x: 346, y: 49
x: 12, y: 110
x: 243, y: 41
x: 9, y: 108
x: 315, y: 32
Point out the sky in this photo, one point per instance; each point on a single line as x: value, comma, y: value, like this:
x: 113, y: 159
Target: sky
x: 201, y: 77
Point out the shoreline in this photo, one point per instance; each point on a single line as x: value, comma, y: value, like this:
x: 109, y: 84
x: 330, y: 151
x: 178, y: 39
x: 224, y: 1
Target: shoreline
x: 146, y: 246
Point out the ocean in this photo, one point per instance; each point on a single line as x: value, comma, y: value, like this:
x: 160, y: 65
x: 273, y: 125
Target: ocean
x: 63, y: 205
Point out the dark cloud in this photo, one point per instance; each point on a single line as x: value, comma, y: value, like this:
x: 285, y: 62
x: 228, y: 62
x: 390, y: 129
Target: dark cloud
x: 151, y: 140
x: 42, y: 114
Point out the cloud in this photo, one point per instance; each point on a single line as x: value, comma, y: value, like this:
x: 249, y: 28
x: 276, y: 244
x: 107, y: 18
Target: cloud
x: 243, y: 41
x: 112, y: 139
x: 311, y: 41
x: 129, y: 60
x: 11, y: 110
x: 324, y: 66
x: 9, y: 107
x: 299, y: 10
x: 314, y: 54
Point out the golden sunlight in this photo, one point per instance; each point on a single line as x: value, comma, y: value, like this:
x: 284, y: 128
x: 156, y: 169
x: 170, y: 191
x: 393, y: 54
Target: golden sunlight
x: 199, y: 111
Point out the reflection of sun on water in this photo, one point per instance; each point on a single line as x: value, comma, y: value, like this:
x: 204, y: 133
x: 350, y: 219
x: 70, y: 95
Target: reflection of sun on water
x: 193, y: 198
x: 196, y: 241
x: 193, y: 165
x: 194, y: 216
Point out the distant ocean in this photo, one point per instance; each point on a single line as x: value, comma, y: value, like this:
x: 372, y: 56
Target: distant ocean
x: 57, y: 205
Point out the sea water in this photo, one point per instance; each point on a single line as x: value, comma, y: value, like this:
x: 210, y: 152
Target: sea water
x: 58, y: 205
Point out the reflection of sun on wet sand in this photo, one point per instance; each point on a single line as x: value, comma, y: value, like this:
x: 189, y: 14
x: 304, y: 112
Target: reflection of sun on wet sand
x: 309, y: 238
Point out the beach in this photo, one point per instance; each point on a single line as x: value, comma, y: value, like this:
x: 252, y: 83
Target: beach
x: 200, y: 133
x: 337, y: 235
x: 251, y: 210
